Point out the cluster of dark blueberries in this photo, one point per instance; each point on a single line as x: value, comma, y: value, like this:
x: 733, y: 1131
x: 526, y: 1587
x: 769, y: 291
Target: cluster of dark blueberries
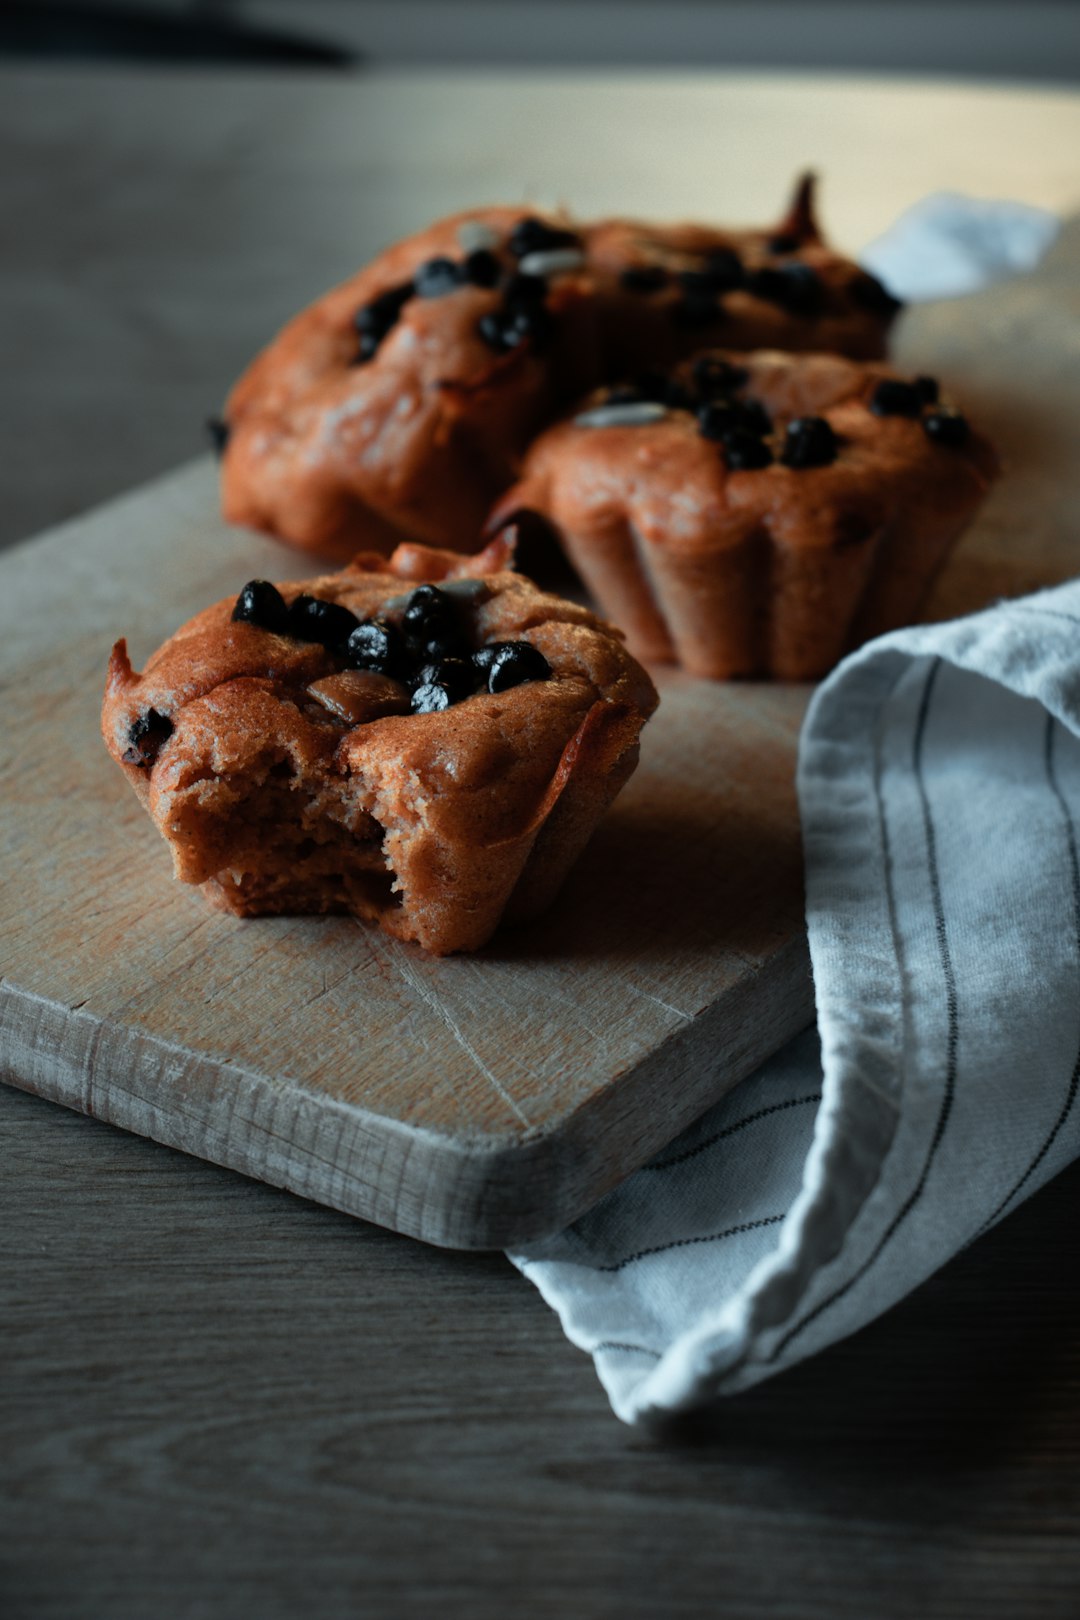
x: 943, y: 425
x: 521, y: 313
x: 795, y: 286
x: 742, y: 425
x: 429, y: 653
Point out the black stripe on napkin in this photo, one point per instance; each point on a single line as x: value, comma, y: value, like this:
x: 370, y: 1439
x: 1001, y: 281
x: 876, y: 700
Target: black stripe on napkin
x: 729, y: 1130
x: 686, y: 1243
x: 952, y: 1035
x: 1074, y: 1079
x: 630, y: 1349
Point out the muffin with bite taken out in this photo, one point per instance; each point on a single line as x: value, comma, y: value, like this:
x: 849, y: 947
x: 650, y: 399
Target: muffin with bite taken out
x: 425, y: 742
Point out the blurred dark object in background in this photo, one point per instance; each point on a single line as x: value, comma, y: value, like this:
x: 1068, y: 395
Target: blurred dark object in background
x: 1038, y: 41
x: 199, y: 34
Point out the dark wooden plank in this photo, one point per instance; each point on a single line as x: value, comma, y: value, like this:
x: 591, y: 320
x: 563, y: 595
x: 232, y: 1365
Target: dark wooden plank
x: 220, y: 1400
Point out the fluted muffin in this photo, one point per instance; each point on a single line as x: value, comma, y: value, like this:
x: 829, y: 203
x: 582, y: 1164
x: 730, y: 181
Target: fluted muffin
x: 426, y: 742
x: 758, y: 514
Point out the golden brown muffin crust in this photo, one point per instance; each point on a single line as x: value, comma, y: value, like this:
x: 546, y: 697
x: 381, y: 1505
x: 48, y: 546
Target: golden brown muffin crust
x: 330, y: 446
x: 757, y: 569
x: 435, y: 824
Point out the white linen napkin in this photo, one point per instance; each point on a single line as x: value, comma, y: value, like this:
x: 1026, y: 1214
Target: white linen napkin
x: 939, y: 790
x: 947, y: 245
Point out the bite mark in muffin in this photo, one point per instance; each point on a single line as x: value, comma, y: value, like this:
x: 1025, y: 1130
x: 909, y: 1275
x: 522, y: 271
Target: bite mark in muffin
x: 296, y: 761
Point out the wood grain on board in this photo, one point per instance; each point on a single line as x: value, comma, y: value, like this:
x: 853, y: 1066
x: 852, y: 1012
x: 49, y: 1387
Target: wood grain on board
x: 471, y: 1101
x: 476, y: 1101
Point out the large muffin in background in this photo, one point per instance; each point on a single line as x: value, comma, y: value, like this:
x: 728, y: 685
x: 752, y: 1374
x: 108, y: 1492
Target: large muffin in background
x: 400, y: 403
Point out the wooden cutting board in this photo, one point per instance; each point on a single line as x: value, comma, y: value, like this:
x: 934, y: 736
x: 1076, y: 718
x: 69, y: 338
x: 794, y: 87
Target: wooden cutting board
x: 475, y: 1101
x: 471, y: 1101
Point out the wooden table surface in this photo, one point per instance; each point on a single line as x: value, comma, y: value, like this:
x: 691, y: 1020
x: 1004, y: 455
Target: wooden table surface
x: 218, y: 1400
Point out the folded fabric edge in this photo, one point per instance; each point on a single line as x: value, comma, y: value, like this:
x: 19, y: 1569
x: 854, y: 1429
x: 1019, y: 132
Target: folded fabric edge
x: 949, y: 245
x: 844, y: 839
x: 750, y: 1337
x: 856, y: 1119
